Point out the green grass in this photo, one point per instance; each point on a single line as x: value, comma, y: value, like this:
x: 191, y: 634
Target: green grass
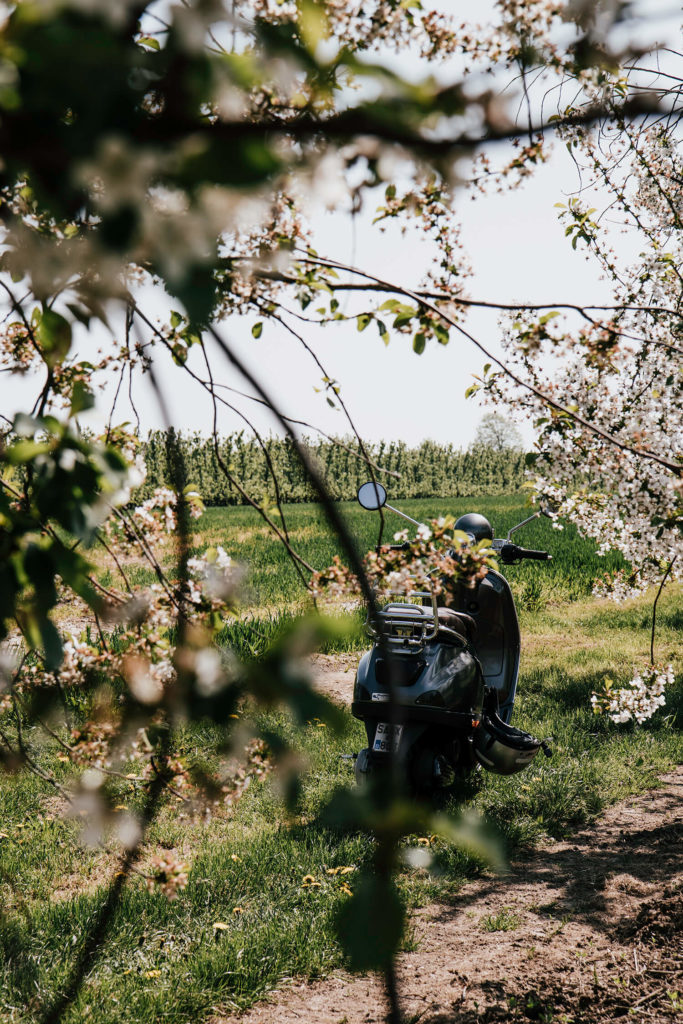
x: 274, y: 595
x: 273, y: 582
x: 273, y: 592
x: 256, y: 860
x: 504, y: 921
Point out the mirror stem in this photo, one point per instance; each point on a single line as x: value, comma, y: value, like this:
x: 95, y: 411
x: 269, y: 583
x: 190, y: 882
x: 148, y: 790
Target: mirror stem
x: 399, y: 513
x: 523, y: 523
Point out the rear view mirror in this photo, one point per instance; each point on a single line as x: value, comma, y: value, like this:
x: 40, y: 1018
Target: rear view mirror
x: 371, y: 495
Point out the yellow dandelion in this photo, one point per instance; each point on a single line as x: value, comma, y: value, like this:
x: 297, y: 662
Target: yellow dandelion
x: 237, y: 910
x: 237, y: 860
x: 152, y: 974
x: 220, y: 926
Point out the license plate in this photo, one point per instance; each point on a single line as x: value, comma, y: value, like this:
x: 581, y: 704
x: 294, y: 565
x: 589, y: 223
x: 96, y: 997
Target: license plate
x: 387, y: 737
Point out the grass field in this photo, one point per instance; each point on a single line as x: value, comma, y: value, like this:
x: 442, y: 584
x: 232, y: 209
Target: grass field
x: 165, y: 961
x: 274, y: 584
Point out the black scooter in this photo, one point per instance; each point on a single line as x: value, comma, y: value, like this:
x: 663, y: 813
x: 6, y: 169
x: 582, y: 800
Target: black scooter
x: 453, y: 674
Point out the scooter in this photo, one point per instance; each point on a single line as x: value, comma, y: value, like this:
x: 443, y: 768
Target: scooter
x: 437, y: 690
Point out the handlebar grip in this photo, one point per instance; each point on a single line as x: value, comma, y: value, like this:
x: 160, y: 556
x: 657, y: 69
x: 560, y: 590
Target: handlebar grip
x: 511, y: 552
x: 405, y: 546
x: 541, y: 556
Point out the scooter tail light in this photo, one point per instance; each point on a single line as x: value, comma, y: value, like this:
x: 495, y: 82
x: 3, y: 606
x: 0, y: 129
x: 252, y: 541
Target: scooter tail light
x: 431, y: 698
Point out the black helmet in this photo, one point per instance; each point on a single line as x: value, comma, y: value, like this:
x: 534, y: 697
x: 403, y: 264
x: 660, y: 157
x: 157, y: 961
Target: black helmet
x: 477, y: 526
x: 501, y: 748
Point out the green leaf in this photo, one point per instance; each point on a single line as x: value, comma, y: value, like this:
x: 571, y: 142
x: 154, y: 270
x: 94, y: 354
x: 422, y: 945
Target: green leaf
x: 441, y: 334
x: 383, y: 332
x: 313, y: 25
x: 176, y: 319
x: 363, y: 320
x: 81, y: 398
x: 404, y: 315
x: 179, y: 354
x: 471, y: 832
x: 391, y: 304
x: 80, y: 314
x: 149, y: 41
x: 26, y: 451
x: 52, y: 643
x: 257, y: 329
x: 419, y: 342
x: 370, y: 924
x: 53, y: 336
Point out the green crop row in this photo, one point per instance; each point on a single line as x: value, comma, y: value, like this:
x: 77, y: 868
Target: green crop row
x: 426, y: 470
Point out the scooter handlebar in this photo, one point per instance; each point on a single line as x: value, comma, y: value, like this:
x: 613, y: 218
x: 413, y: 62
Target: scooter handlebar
x: 512, y: 553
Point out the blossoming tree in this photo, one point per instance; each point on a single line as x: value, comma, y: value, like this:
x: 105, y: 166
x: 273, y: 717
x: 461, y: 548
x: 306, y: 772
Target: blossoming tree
x: 176, y: 143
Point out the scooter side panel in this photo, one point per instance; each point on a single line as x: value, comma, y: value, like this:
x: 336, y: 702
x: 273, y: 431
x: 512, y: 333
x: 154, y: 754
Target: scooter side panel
x: 445, y: 676
x: 498, y: 639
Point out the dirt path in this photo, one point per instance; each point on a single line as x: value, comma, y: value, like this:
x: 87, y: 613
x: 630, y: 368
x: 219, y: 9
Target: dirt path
x: 595, y: 930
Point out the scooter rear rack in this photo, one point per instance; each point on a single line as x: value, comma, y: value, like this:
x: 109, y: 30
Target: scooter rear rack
x: 406, y: 627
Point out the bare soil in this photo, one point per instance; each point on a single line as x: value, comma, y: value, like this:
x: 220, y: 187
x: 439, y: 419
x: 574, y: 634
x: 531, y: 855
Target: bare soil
x: 594, y: 930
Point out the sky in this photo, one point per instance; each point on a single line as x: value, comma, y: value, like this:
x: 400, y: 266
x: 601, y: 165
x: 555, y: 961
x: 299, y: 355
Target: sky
x: 518, y: 253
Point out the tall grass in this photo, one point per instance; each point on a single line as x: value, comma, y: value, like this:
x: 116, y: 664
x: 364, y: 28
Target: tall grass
x: 272, y: 583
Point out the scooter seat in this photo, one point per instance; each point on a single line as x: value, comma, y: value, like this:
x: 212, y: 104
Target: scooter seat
x: 459, y: 622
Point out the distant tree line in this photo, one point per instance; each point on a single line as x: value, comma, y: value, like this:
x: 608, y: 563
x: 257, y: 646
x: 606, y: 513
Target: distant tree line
x: 426, y: 471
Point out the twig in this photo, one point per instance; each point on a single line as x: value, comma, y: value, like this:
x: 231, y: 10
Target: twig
x: 654, y: 609
x: 649, y: 997
x: 676, y: 468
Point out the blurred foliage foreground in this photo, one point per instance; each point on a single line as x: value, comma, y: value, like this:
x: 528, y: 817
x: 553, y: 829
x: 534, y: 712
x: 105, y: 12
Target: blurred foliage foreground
x: 170, y: 144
